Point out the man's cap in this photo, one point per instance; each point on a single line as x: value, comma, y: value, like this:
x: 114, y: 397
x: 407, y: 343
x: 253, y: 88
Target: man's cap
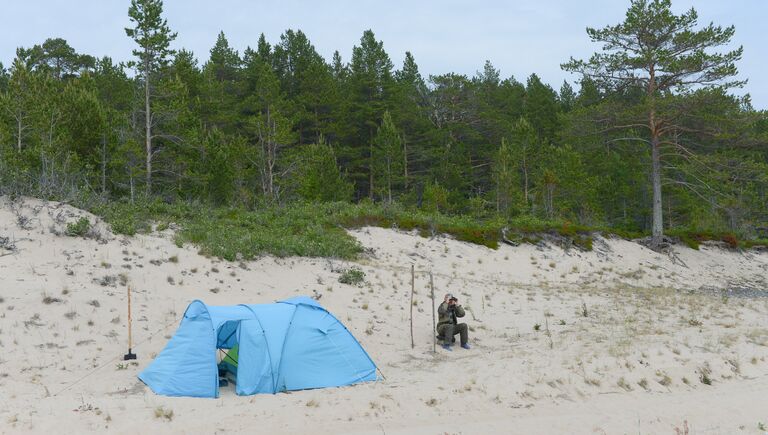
x: 450, y: 296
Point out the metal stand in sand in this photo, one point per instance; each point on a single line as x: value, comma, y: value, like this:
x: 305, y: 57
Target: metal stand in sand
x: 130, y: 354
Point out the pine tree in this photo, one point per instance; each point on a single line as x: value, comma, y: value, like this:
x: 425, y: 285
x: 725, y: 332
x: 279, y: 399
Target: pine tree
x: 151, y: 33
x: 318, y: 176
x: 505, y: 179
x: 410, y: 114
x: 567, y: 97
x: 665, y: 56
x: 18, y: 102
x: 542, y: 108
x: 221, y: 86
x: 387, y: 158
x: 370, y: 83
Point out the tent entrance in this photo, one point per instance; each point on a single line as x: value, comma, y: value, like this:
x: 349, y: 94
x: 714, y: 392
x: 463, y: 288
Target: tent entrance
x: 228, y: 346
x: 243, y: 343
x: 228, y: 364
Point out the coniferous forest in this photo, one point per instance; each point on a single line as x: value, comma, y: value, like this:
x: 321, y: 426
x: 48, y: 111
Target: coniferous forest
x: 651, y: 138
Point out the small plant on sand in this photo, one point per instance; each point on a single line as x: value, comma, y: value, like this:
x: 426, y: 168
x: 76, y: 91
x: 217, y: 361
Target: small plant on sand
x: 683, y: 430
x: 643, y: 383
x: 352, y: 276
x: 163, y: 413
x: 622, y: 383
x: 431, y: 402
x: 761, y: 426
x: 48, y: 300
x: 173, y: 259
x: 537, y: 327
x: 694, y: 322
x: 584, y: 310
x: 313, y: 404
x: 79, y: 228
x: 665, y: 380
x: 106, y: 280
x: 704, y: 378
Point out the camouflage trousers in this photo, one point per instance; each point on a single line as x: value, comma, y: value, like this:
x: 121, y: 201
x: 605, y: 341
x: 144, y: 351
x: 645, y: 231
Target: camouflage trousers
x: 446, y: 332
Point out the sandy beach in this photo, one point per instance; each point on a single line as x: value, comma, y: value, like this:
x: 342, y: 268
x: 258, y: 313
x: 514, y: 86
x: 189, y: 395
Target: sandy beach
x: 620, y: 339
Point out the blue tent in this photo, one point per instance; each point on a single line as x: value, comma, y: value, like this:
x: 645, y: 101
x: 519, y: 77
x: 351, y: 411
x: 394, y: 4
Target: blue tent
x: 294, y: 344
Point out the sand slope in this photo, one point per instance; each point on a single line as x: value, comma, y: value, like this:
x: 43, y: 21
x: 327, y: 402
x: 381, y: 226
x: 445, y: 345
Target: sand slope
x: 629, y: 341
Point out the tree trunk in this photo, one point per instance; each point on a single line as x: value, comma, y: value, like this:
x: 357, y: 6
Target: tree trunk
x: 405, y: 163
x: 20, y: 130
x: 148, y: 126
x: 657, y: 224
x: 103, y: 164
x: 271, y: 154
x: 389, y: 180
x: 370, y: 167
x: 525, y: 180
x: 133, y: 193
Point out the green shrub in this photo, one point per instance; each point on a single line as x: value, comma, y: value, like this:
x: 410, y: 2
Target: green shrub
x: 352, y: 276
x: 79, y: 228
x: 318, y: 229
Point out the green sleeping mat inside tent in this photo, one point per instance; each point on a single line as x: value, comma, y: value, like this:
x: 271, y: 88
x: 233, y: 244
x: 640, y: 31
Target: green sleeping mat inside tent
x: 229, y: 362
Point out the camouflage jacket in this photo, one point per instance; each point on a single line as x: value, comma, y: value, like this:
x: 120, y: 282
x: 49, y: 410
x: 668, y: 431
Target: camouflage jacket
x: 447, y: 314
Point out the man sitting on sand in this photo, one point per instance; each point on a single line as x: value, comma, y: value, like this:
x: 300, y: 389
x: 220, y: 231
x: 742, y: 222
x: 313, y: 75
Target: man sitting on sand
x: 447, y: 326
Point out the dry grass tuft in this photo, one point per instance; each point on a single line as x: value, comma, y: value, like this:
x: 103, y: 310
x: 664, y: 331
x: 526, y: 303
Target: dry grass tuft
x: 164, y: 413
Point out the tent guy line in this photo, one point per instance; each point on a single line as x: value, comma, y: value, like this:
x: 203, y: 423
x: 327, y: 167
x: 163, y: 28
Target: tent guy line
x: 119, y: 357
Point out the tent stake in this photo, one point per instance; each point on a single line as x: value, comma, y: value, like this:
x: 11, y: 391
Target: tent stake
x: 434, y: 331
x: 130, y: 354
x: 413, y: 283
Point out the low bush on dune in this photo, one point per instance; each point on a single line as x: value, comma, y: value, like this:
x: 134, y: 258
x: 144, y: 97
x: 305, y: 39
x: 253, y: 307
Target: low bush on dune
x: 352, y: 276
x: 318, y: 229
x: 306, y: 230
x: 79, y: 228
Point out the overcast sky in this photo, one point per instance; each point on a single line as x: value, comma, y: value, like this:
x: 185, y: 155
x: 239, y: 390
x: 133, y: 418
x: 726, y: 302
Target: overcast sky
x: 518, y: 37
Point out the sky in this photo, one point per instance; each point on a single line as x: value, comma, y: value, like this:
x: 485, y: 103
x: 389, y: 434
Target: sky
x: 518, y: 37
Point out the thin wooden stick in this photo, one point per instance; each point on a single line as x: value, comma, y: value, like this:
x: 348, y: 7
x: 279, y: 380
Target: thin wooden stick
x: 413, y: 285
x: 434, y: 329
x: 130, y: 337
x: 130, y: 355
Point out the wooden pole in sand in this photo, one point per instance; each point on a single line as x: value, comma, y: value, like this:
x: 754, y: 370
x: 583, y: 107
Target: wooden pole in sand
x: 130, y: 354
x: 434, y: 337
x: 413, y: 285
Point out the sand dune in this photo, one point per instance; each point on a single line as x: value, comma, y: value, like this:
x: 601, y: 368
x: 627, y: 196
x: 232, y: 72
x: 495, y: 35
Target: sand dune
x: 617, y: 340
